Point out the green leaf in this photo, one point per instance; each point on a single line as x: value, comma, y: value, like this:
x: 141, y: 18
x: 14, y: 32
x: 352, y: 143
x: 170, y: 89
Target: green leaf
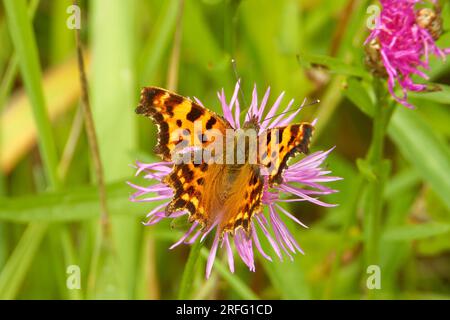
x: 416, y: 232
x: 288, y: 277
x: 19, y: 262
x: 417, y: 142
x: 158, y: 42
x: 114, y: 97
x: 440, y: 94
x: 400, y: 183
x: 184, y: 293
x: 19, y: 22
x: 233, y: 280
x: 70, y: 205
x: 423, y: 149
x: 334, y: 65
x: 365, y: 167
x: 198, y: 34
x: 22, y: 36
x: 357, y: 93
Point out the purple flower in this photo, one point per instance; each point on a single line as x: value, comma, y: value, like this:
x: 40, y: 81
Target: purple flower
x: 302, y: 181
x: 401, y: 43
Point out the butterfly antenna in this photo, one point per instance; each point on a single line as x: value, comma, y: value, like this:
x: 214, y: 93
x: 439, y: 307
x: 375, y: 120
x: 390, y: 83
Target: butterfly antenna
x: 302, y: 106
x: 236, y: 75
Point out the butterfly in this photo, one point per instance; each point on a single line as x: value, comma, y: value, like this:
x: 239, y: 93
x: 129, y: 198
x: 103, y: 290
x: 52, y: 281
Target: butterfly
x: 218, y: 192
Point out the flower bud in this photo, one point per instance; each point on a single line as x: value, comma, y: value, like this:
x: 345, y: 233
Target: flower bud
x: 373, y: 58
x: 430, y: 20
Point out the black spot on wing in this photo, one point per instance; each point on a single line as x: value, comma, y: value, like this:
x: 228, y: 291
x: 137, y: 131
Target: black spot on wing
x: 179, y: 203
x: 245, y: 224
x: 307, y: 131
x: 169, y: 110
x: 171, y: 102
x: 302, y: 146
x: 269, y: 136
x: 254, y: 179
x: 195, y: 112
x: 279, y: 134
x: 188, y: 174
x: 190, y: 207
x: 211, y: 122
x: 294, y: 132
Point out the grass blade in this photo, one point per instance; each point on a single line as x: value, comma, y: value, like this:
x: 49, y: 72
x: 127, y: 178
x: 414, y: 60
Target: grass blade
x: 26, y: 49
x: 19, y: 262
x: 423, y: 149
x: 234, y: 281
x: 416, y: 232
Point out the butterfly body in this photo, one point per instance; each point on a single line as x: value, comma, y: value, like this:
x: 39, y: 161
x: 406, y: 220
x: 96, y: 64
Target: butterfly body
x: 228, y: 192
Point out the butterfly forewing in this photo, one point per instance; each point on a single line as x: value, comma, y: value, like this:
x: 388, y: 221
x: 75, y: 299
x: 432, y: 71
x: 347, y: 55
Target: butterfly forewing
x: 181, y: 122
x: 278, y: 145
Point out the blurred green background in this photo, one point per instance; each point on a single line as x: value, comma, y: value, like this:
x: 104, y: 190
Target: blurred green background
x: 49, y: 208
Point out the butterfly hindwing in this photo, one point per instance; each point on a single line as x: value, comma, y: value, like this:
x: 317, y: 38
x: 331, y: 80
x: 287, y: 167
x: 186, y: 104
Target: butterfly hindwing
x: 244, y: 199
x: 175, y: 117
x: 278, y: 145
x: 211, y: 191
x: 188, y: 183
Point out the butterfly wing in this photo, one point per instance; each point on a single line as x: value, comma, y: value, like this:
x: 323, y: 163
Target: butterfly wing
x: 278, y: 145
x: 196, y: 189
x: 210, y: 192
x: 243, y: 200
x: 180, y: 121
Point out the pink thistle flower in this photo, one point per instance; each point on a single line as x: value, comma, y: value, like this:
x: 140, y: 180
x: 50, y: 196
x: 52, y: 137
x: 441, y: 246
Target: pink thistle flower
x: 402, y: 42
x: 303, y: 180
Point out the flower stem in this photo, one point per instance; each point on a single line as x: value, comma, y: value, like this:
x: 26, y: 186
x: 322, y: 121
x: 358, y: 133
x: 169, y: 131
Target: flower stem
x: 349, y: 220
x: 374, y: 204
x: 90, y: 130
x: 189, y: 271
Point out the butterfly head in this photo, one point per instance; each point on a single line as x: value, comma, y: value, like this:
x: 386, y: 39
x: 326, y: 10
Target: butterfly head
x: 252, y: 123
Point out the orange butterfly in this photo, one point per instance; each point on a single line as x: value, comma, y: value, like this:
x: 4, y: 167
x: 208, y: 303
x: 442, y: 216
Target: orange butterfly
x: 224, y: 192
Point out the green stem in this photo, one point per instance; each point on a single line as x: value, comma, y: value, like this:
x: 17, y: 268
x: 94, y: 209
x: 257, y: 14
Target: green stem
x: 349, y: 220
x: 235, y: 283
x: 374, y: 207
x: 189, y: 272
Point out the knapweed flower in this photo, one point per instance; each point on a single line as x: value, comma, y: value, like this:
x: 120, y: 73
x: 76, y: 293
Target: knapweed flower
x: 400, y: 44
x: 300, y: 181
